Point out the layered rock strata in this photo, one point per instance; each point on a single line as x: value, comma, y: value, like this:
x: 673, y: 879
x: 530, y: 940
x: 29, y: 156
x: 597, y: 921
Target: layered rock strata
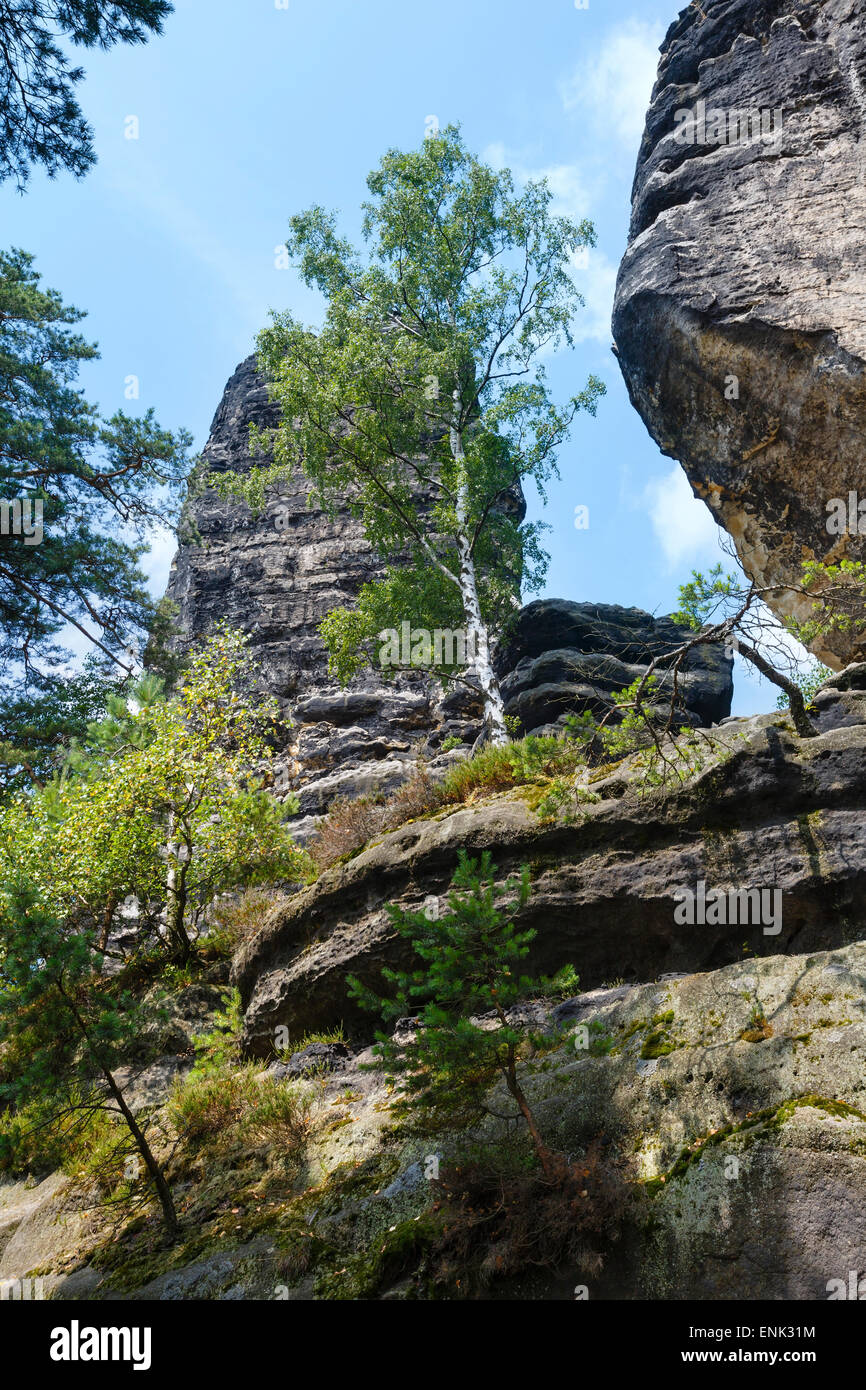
x: 277, y: 574
x: 763, y: 810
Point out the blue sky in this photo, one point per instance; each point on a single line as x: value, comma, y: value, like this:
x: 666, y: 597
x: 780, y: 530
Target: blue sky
x: 250, y: 110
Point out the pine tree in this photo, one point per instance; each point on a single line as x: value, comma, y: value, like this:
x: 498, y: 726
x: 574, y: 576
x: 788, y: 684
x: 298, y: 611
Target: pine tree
x: 64, y: 1030
x: 38, y: 729
x: 100, y: 486
x: 40, y: 119
x: 470, y: 966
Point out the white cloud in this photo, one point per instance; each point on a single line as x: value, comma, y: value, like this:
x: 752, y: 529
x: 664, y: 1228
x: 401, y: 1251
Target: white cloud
x: 496, y: 155
x: 572, y: 195
x: 594, y: 274
x: 157, y: 562
x: 613, y: 85
x: 596, y: 281
x: 684, y: 526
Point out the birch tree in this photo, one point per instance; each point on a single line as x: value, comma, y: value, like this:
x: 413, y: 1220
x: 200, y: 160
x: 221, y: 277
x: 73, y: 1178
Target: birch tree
x: 423, y: 398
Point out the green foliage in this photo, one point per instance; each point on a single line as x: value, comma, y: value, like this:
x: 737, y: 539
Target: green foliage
x: 221, y: 1102
x: 471, y: 964
x: 41, y: 121
x: 46, y: 973
x: 231, y: 923
x: 557, y: 797
x: 601, y: 1043
x: 410, y: 592
x: 809, y: 683
x: 349, y: 825
x: 703, y: 596
x: 159, y: 803
x: 216, y: 1051
x: 736, y: 616
x: 281, y: 1118
x: 36, y: 1138
x: 420, y: 397
x: 839, y: 605
x: 839, y: 592
x: 37, y: 730
x: 205, y: 1106
x: 322, y: 1035
x: 636, y: 720
x: 95, y: 480
x: 227, y: 1107
x: 516, y: 764
x: 638, y: 713
x: 580, y: 727
x: 64, y: 1029
x: 563, y: 985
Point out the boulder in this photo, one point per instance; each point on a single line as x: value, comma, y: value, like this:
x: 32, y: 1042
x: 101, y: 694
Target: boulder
x: 564, y: 658
x: 311, y: 1060
x: 740, y: 312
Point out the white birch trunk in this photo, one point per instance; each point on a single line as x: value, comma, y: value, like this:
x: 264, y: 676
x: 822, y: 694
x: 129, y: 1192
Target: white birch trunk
x: 477, y: 642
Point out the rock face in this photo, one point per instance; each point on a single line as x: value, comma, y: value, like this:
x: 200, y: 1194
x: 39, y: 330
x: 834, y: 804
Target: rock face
x: 278, y: 574
x: 740, y: 313
x: 752, y: 1141
x: 746, y: 1147
x: 766, y: 810
x: 563, y: 657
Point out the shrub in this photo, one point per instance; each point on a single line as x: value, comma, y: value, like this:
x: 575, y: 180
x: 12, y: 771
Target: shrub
x: 236, y: 920
x: 565, y: 984
x: 348, y: 826
x: 30, y: 1142
x: 221, y: 1108
x: 499, y: 1222
x: 204, y: 1108
x: 490, y: 770
x: 417, y: 797
x: 281, y: 1118
x: 324, y: 1035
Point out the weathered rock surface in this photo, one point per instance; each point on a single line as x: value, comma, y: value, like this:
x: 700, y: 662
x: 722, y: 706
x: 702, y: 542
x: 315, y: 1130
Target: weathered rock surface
x: 748, y: 1146
x: 767, y: 809
x: 740, y: 313
x: 311, y: 1060
x: 756, y: 1140
x: 563, y: 657
x: 40, y: 1225
x: 277, y: 575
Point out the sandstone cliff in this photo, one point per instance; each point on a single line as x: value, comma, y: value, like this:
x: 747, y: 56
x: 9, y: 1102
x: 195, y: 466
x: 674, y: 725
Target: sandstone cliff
x: 764, y: 807
x: 740, y: 313
x: 277, y: 575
